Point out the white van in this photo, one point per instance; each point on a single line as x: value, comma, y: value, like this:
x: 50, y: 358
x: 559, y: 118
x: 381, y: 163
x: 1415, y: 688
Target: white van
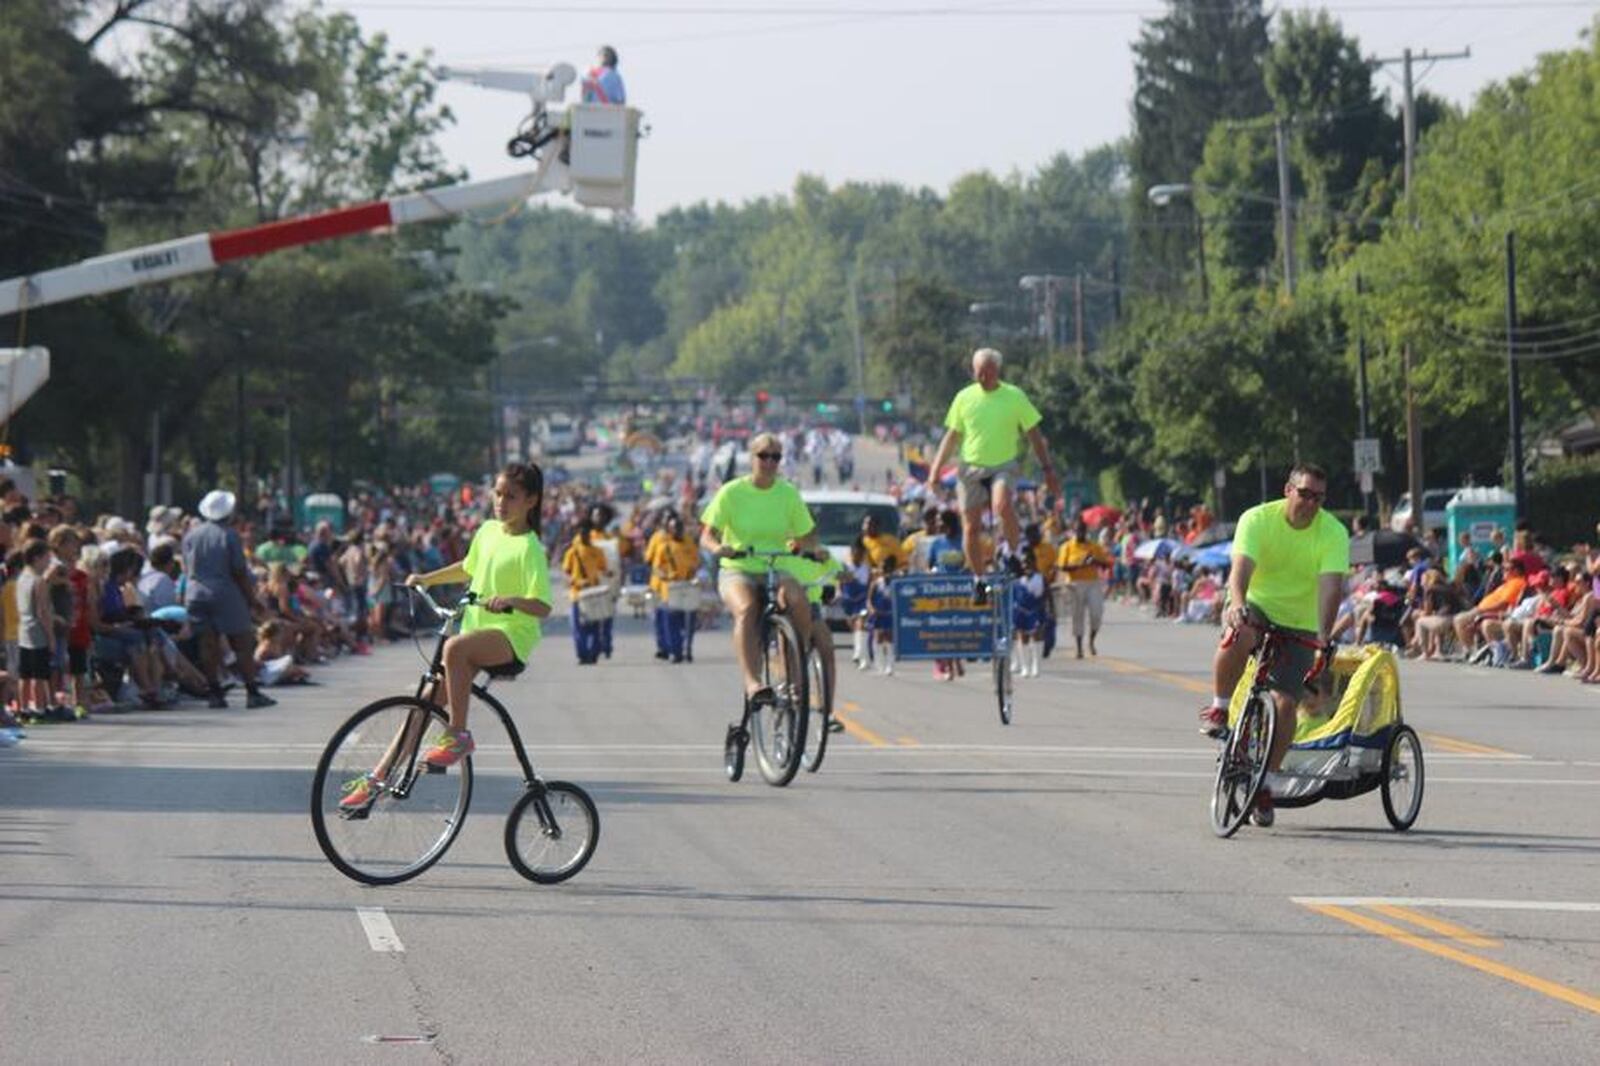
x: 838, y: 515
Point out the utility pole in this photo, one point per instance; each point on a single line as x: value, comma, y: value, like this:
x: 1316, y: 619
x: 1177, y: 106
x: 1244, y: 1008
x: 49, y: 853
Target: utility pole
x: 1518, y: 487
x: 1406, y: 59
x: 1077, y: 313
x: 1363, y: 398
x: 1285, y: 208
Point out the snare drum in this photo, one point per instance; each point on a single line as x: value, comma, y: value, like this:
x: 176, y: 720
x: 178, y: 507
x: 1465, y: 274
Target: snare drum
x: 683, y: 596
x: 596, y: 604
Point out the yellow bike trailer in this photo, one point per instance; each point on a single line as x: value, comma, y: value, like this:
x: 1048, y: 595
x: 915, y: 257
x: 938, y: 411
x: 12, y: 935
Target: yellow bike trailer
x: 1350, y: 741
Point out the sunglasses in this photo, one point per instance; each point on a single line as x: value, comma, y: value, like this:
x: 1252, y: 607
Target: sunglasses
x: 771, y: 457
x: 1310, y: 494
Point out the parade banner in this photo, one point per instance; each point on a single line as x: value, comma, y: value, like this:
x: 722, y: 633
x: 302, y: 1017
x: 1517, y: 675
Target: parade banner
x: 935, y: 618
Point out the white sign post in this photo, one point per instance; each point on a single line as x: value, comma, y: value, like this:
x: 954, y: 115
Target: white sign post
x: 1368, y: 455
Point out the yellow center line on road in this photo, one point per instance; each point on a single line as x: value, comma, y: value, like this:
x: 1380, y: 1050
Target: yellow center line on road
x: 1464, y: 747
x: 1565, y: 994
x: 1458, y: 933
x: 856, y: 729
x: 1124, y: 666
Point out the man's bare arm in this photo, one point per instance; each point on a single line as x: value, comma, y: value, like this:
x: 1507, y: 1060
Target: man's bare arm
x: 1041, y: 448
x: 1330, y: 593
x: 952, y: 439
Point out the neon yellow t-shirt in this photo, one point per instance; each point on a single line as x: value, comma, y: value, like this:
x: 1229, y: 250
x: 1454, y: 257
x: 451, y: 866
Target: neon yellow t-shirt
x: 991, y: 422
x: 1289, y: 561
x: 505, y: 565
x: 763, y: 519
x: 811, y: 574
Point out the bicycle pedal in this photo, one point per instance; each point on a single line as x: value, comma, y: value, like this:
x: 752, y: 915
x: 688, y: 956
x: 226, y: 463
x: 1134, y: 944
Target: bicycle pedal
x: 357, y: 815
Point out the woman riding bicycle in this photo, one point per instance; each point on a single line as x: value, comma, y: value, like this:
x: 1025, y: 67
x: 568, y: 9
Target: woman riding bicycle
x: 759, y: 512
x: 510, y: 575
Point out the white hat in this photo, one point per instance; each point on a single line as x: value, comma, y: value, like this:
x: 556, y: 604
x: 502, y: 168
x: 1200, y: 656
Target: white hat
x: 217, y: 505
x: 118, y: 527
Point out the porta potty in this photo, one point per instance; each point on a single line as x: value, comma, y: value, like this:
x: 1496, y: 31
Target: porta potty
x: 1479, y: 512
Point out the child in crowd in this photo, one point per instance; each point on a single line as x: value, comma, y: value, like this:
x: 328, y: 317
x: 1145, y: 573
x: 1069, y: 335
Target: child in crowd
x: 945, y: 556
x: 854, y: 586
x: 36, y: 635
x: 882, y: 607
x: 274, y: 656
x: 1027, y: 618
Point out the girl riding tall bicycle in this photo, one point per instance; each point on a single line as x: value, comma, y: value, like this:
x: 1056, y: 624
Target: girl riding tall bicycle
x: 510, y: 575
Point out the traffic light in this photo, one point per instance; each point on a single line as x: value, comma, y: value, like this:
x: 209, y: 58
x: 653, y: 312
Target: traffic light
x: 762, y: 397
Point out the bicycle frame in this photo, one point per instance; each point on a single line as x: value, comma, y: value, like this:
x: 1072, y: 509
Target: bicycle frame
x: 428, y: 686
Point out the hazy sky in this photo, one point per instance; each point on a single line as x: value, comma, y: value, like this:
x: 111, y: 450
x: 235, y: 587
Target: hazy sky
x: 743, y: 99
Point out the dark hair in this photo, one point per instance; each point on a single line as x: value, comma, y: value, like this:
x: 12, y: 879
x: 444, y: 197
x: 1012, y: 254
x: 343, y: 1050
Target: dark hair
x: 17, y: 515
x: 126, y: 560
x: 13, y: 564
x: 608, y: 55
x: 34, y: 549
x: 531, y: 479
x: 161, y: 556
x: 1309, y: 470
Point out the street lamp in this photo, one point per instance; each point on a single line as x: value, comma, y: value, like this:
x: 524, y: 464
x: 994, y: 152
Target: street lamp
x: 1161, y: 196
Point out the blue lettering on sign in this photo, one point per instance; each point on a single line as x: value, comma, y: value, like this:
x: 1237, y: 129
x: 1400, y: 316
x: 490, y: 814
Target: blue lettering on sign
x: 934, y: 618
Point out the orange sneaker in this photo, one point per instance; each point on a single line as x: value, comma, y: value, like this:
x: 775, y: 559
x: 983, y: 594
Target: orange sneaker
x: 359, y: 792
x: 451, y: 747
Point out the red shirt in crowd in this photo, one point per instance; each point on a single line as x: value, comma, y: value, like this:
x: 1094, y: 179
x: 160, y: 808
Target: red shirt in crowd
x: 79, y: 636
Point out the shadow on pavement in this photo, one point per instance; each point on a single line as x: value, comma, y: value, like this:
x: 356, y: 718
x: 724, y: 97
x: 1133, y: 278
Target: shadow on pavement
x: 1454, y: 839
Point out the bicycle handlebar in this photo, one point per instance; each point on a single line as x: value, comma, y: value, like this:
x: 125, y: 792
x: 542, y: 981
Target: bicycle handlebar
x: 757, y: 553
x: 468, y: 599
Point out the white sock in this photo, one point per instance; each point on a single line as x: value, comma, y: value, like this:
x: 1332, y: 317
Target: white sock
x: 859, y: 644
x: 1219, y: 703
x: 1033, y: 659
x: 886, y: 656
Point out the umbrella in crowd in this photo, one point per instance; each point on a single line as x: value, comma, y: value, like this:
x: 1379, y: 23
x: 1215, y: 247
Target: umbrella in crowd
x: 1160, y: 546
x: 1099, y: 515
x: 1382, y: 548
x: 1215, y: 556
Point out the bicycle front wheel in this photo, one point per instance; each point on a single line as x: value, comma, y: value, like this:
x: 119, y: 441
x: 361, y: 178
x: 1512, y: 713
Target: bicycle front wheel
x: 411, y: 815
x: 552, y: 832
x: 820, y: 700
x: 778, y: 729
x: 1242, y: 766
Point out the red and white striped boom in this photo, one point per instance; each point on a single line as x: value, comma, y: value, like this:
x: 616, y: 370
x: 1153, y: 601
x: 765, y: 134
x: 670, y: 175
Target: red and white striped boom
x: 205, y: 251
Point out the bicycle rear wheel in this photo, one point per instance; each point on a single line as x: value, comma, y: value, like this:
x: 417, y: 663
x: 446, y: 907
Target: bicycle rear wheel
x: 1242, y: 765
x: 1001, y: 658
x: 821, y: 704
x: 552, y: 832
x: 778, y: 729
x: 413, y: 815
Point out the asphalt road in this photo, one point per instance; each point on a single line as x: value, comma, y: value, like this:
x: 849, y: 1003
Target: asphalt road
x: 945, y: 890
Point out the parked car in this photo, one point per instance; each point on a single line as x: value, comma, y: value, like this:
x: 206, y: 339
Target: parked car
x: 1434, y: 516
x: 561, y: 436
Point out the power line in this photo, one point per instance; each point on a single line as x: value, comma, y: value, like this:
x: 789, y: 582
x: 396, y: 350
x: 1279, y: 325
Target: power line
x: 780, y: 10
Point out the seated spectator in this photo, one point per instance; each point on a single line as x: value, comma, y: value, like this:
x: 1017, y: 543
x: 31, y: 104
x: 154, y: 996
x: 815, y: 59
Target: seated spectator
x: 1434, y: 625
x: 274, y: 656
x: 1494, y: 606
x: 119, y: 638
x: 1557, y: 594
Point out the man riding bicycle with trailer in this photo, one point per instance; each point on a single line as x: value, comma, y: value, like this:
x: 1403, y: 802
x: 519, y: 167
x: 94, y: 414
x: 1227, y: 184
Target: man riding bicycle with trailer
x: 986, y: 421
x: 1289, y: 563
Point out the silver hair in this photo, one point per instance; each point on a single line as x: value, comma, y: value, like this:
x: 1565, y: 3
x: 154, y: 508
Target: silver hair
x: 987, y: 356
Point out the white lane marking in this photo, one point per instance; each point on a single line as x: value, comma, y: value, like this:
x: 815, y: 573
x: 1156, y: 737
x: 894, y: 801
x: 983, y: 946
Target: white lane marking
x: 1567, y: 906
x: 380, y: 931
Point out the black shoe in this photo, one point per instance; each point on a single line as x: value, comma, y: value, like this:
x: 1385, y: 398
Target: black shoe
x: 257, y: 700
x: 835, y: 726
x: 662, y: 655
x: 980, y: 593
x: 217, y: 702
x: 688, y: 656
x: 762, y: 697
x: 677, y: 659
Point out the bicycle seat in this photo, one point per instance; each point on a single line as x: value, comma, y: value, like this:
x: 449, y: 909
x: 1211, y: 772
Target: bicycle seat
x: 505, y: 671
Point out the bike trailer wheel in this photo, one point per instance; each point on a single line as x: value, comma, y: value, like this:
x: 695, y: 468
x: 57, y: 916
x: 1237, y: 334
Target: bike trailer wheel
x: 1402, y: 778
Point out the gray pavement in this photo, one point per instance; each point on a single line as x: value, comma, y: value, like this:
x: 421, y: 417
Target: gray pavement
x: 946, y: 889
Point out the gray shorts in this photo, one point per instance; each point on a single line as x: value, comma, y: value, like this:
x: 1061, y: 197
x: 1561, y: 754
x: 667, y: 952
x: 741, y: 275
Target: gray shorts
x: 1294, y: 661
x: 973, y: 483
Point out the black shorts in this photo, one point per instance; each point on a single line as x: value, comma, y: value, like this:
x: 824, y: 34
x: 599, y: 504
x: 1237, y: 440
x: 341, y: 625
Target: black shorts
x: 33, y: 664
